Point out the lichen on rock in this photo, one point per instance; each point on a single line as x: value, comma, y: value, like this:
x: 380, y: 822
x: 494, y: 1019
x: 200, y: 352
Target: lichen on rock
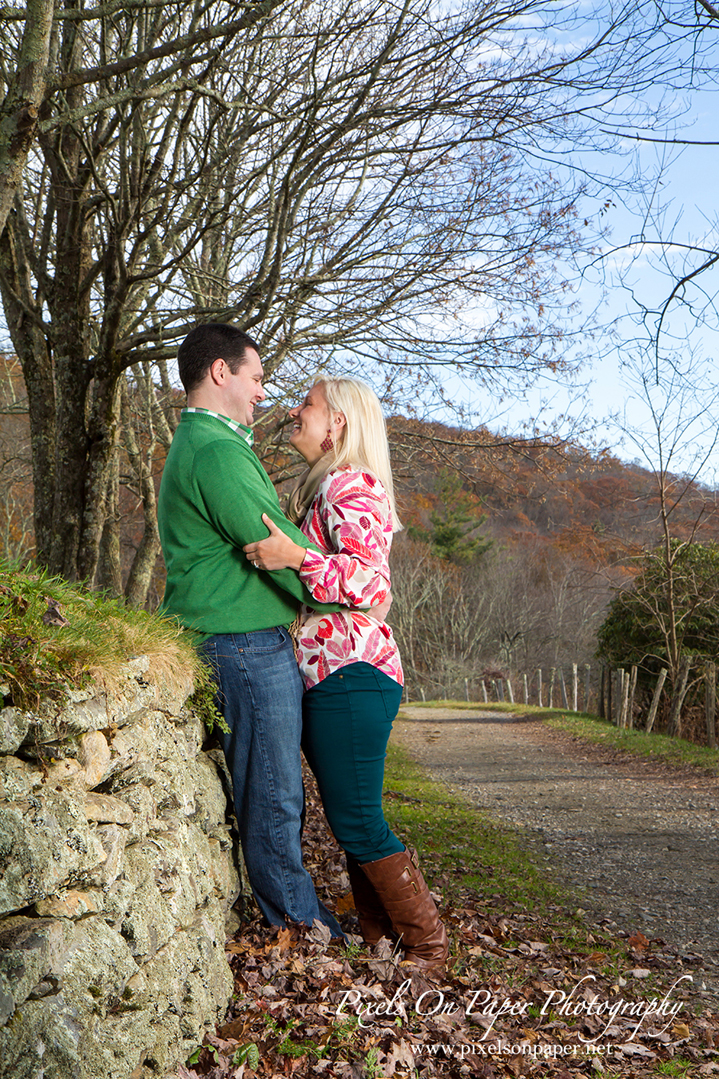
x: 116, y: 878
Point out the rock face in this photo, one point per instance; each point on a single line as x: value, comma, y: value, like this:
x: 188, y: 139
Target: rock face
x: 116, y: 875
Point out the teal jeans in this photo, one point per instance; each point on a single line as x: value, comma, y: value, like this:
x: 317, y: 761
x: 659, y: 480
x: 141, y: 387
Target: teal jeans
x: 347, y: 719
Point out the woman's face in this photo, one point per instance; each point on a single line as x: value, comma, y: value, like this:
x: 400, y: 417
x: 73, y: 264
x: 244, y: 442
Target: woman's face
x: 313, y: 421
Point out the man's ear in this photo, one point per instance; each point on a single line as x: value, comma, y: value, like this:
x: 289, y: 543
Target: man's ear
x: 218, y: 371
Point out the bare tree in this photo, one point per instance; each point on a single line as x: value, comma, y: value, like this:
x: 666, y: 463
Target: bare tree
x: 357, y: 184
x: 681, y: 401
x: 508, y: 612
x: 440, y: 617
x: 35, y: 83
x: 654, y: 622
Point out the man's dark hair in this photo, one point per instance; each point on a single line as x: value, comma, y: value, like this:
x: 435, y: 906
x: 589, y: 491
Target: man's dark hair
x: 207, y: 343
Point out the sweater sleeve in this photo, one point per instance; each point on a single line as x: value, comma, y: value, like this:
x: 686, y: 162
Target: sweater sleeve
x: 354, y: 511
x: 235, y: 491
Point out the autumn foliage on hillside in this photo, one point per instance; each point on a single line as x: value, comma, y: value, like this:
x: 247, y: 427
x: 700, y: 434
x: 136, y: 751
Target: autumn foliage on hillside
x: 588, y: 504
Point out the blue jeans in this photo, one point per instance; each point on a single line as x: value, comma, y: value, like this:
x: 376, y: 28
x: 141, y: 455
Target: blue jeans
x: 259, y: 692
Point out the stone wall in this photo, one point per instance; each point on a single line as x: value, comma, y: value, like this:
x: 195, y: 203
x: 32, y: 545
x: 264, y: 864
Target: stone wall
x: 116, y: 877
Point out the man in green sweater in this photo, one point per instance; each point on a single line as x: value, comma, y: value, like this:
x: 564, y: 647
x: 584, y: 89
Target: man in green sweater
x: 212, y: 497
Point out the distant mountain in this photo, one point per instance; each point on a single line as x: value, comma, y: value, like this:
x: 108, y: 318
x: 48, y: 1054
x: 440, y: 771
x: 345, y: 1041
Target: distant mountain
x: 588, y: 503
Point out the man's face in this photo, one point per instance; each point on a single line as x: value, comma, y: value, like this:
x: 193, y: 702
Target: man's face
x: 244, y: 390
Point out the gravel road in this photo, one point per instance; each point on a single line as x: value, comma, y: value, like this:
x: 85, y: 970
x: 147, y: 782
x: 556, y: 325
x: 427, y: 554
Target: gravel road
x: 639, y: 838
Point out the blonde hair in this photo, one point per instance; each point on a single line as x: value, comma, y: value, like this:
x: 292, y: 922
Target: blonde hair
x: 364, y: 442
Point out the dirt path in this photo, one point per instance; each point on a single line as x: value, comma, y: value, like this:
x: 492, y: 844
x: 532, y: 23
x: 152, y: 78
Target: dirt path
x: 638, y: 838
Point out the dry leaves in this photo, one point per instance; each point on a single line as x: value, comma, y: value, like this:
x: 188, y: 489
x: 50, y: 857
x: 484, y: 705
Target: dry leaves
x: 516, y: 1000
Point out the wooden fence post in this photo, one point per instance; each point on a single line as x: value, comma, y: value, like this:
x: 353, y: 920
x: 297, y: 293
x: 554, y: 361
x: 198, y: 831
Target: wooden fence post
x: 484, y: 691
x: 563, y: 688
x: 624, y: 698
x: 655, y: 699
x: 526, y: 688
x: 710, y: 702
x: 632, y: 689
x: 575, y: 688
x: 587, y: 677
x: 466, y: 689
x: 610, y: 703
x: 499, y: 686
x: 602, y: 693
x: 539, y: 686
x: 510, y: 692
x: 552, y: 676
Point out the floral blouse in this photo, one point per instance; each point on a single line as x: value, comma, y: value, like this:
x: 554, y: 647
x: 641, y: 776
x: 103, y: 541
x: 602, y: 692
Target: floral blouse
x: 351, y: 522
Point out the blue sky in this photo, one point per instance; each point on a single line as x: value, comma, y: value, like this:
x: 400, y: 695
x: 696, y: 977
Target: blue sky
x: 627, y: 273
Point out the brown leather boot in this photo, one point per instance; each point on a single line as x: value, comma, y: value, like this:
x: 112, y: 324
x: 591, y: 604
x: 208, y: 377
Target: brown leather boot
x: 373, y: 918
x: 405, y: 896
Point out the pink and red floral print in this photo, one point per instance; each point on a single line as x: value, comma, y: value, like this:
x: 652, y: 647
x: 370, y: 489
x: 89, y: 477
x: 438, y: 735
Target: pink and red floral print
x: 351, y: 522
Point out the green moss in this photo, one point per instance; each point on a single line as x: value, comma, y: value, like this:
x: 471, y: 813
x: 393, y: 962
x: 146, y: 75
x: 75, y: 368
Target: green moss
x: 55, y: 635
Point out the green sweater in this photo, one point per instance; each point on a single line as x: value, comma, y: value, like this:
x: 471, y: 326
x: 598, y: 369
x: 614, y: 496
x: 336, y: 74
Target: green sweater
x: 212, y: 496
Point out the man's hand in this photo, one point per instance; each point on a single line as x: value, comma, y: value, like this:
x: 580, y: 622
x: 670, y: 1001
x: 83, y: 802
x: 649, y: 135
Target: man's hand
x: 276, y: 552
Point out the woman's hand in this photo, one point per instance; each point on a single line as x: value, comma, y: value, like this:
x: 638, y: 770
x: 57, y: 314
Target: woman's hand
x: 381, y: 611
x: 276, y: 552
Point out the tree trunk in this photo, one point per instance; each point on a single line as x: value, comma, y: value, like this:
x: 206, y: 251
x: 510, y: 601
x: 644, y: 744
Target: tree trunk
x: 20, y: 109
x: 103, y: 434
x: 109, y: 571
x: 655, y: 699
x: 143, y: 565
x: 70, y: 472
x: 32, y: 351
x: 680, y: 690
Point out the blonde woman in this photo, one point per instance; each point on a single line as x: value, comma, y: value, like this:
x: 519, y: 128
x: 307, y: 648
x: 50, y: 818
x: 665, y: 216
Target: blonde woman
x: 344, y: 504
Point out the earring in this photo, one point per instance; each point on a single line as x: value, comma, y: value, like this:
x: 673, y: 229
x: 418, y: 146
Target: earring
x: 327, y: 444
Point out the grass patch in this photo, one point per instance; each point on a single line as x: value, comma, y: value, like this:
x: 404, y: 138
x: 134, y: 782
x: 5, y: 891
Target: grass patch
x: 460, y: 847
x: 54, y: 635
x: 678, y: 1066
x: 676, y: 751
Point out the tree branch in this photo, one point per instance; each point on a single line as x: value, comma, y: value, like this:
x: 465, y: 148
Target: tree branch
x: 181, y: 44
